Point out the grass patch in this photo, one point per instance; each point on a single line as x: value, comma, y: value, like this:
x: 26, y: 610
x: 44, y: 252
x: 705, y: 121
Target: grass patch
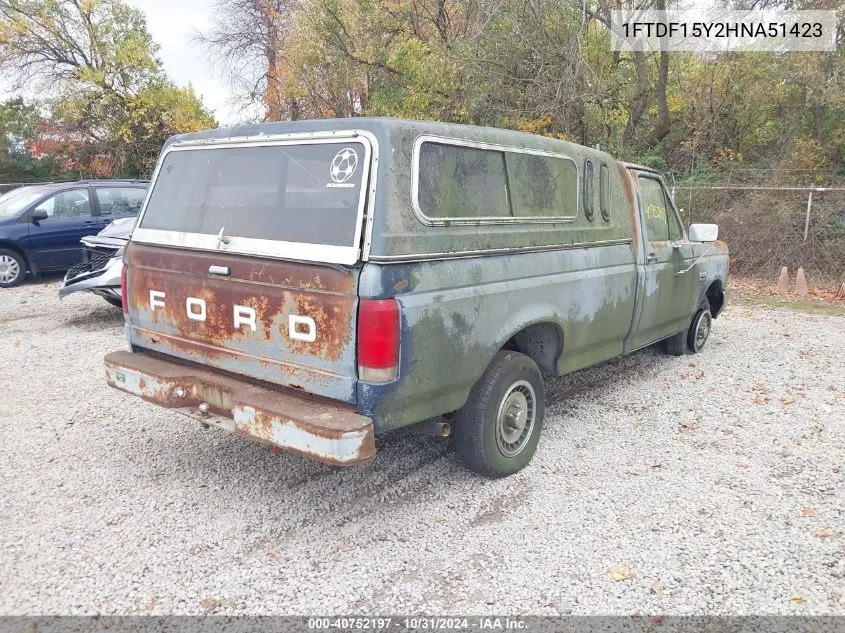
x: 787, y: 303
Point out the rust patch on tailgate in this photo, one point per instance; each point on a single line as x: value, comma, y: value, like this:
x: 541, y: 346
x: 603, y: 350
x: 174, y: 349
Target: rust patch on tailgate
x: 266, y: 271
x: 312, y: 426
x: 196, y: 312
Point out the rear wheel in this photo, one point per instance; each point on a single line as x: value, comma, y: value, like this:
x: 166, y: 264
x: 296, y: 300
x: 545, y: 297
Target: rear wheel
x: 675, y: 345
x: 497, y: 430
x: 12, y: 268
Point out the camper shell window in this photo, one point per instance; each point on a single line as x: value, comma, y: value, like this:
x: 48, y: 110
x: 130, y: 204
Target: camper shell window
x: 460, y: 181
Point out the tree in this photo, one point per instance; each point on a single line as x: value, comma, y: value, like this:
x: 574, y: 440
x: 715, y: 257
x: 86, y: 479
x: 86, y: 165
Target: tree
x: 113, y: 101
x: 247, y: 41
x: 19, y: 126
x: 18, y: 123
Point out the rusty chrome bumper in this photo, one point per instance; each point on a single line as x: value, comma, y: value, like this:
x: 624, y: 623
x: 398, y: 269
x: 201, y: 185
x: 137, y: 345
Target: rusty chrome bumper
x: 322, y: 429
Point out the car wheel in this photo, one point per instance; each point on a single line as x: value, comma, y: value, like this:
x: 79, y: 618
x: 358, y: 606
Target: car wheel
x: 497, y: 430
x: 12, y: 268
x: 675, y: 345
x: 700, y: 329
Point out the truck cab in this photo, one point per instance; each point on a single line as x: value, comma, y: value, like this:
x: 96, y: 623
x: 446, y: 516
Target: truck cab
x: 311, y: 285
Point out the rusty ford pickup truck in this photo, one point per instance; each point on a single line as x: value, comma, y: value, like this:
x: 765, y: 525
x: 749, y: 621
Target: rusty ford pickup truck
x: 313, y: 285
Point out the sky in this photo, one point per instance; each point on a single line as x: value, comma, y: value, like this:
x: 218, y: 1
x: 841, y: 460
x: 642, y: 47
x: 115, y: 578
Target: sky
x: 172, y: 24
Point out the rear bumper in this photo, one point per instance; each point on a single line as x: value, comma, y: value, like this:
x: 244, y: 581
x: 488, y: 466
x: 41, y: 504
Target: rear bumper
x: 321, y: 429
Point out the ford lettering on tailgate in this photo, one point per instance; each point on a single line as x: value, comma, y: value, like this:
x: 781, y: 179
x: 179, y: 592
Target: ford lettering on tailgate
x: 288, y: 323
x: 300, y: 328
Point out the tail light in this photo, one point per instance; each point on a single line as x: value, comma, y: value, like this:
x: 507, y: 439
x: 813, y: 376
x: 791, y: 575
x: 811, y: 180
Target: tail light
x: 378, y: 339
x: 123, y: 290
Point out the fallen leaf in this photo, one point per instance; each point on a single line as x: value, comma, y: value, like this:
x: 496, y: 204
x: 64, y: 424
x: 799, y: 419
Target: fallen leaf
x: 743, y: 465
x: 800, y: 394
x: 824, y: 533
x: 701, y: 375
x: 787, y: 334
x: 748, y: 314
x: 808, y: 512
x: 760, y: 400
x: 621, y: 572
x: 797, y: 600
x: 836, y: 469
x: 657, y: 590
x: 786, y: 401
x: 17, y: 342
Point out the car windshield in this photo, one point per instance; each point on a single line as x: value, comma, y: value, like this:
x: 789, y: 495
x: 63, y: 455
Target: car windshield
x: 15, y: 201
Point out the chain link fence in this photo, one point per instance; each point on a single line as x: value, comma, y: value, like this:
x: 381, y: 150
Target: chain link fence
x: 767, y: 226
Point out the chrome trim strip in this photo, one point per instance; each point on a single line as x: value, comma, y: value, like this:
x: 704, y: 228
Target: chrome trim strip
x: 428, y: 221
x: 516, y: 250
x: 369, y: 216
x: 321, y: 253
x: 346, y: 255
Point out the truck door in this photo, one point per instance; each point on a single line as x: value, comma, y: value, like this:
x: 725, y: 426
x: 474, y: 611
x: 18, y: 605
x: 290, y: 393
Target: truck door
x: 666, y: 294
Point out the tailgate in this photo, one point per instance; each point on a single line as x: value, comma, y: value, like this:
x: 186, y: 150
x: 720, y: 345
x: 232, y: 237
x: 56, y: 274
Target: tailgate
x: 284, y: 322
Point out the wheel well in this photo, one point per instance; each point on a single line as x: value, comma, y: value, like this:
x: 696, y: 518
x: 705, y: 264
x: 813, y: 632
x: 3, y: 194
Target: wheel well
x: 715, y: 297
x: 542, y: 342
x: 11, y: 246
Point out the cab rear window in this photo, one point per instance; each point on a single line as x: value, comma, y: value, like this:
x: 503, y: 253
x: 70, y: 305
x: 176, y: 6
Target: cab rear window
x: 308, y: 193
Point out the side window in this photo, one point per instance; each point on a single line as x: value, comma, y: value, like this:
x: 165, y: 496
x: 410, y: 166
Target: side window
x: 589, y: 191
x: 542, y: 186
x: 604, y: 192
x: 67, y: 204
x: 653, y: 209
x: 120, y: 201
x: 462, y: 182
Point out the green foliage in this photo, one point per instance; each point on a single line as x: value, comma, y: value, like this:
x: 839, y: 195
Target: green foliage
x: 114, y: 106
x: 547, y: 67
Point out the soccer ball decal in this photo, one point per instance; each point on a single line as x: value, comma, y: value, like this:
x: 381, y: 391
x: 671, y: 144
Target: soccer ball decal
x: 344, y: 164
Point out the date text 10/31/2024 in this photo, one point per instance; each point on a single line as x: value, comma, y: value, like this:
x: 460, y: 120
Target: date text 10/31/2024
x: 417, y: 623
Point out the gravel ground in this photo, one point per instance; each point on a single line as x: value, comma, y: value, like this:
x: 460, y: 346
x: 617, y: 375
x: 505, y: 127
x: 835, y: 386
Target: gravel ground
x: 698, y: 485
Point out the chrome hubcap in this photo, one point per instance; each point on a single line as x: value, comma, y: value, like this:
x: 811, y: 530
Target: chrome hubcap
x: 9, y: 268
x: 515, y: 419
x: 702, y: 331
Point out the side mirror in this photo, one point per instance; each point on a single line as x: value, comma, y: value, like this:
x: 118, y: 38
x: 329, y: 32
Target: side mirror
x: 38, y: 215
x: 703, y: 232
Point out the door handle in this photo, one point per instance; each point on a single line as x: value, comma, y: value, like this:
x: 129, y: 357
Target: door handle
x: 652, y: 258
x: 88, y: 222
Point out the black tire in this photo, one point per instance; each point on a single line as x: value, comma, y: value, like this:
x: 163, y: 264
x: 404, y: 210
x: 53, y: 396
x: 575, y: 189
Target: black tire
x: 483, y: 426
x: 676, y: 345
x: 117, y: 303
x: 699, y: 330
x: 12, y: 268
